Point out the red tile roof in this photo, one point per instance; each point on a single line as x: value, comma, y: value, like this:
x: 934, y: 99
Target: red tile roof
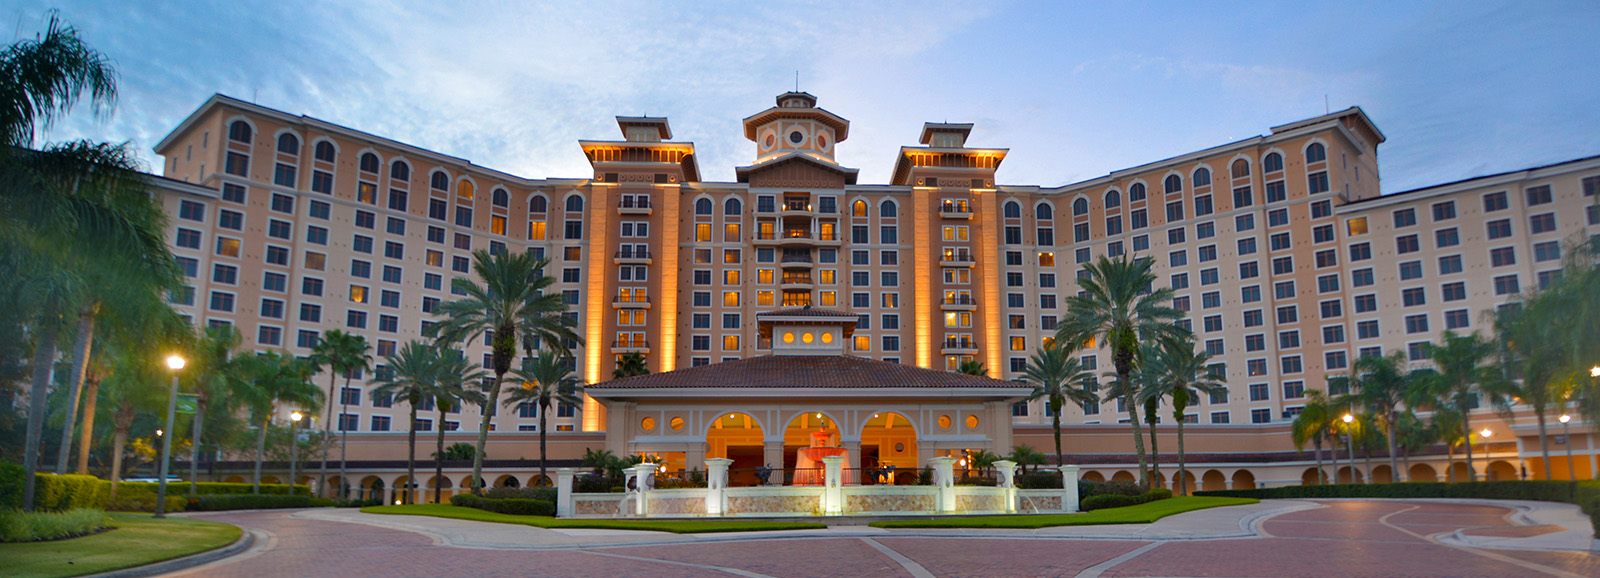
x: 805, y: 372
x: 807, y: 312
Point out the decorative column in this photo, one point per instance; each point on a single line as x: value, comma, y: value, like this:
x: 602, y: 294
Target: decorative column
x: 1069, y: 488
x: 630, y: 489
x: 852, y: 458
x: 646, y: 473
x: 1008, y: 482
x: 716, y: 482
x: 832, y: 485
x: 772, y: 457
x: 564, y: 492
x: 944, y: 480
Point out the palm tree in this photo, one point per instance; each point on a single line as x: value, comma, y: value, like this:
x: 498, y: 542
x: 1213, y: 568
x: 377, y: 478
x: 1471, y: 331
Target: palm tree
x: 1414, y: 434
x: 1026, y: 456
x: 1455, y: 383
x: 629, y: 365
x: 275, y: 378
x: 1118, y: 309
x: 1175, y: 370
x: 546, y: 381
x: 597, y: 459
x: 972, y: 367
x: 412, y: 376
x: 1057, y: 376
x: 453, y: 372
x: 1531, y: 352
x: 216, y: 377
x: 132, y: 386
x: 1382, y: 384
x: 1318, y: 422
x: 510, y: 302
x: 342, y: 353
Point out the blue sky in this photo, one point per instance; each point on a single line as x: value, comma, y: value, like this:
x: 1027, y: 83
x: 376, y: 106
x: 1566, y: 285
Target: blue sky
x: 1075, y: 90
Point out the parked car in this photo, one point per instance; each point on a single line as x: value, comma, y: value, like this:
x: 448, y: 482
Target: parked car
x: 153, y: 479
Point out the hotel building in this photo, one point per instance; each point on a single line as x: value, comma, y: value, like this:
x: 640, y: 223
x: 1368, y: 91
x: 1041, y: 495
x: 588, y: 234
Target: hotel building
x: 1288, y: 261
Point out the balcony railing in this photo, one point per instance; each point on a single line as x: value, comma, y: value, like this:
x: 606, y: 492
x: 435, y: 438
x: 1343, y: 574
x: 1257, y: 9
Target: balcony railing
x: 631, y: 301
x: 630, y: 344
x: 961, y: 344
x: 634, y: 203
x: 956, y: 212
x: 632, y: 254
x: 959, y: 300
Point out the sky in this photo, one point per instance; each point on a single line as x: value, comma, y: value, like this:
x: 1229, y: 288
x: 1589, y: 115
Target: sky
x: 1075, y: 90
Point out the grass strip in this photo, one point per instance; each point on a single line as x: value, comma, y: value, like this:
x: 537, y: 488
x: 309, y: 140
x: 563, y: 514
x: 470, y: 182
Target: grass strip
x: 674, y: 526
x: 1140, y: 514
x: 137, y: 539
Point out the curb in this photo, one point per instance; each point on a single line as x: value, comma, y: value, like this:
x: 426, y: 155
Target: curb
x: 245, y: 541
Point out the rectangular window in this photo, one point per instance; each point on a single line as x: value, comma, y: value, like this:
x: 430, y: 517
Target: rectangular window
x: 1407, y: 244
x: 1507, y: 285
x: 1360, y: 251
x: 1405, y: 218
x: 1367, y: 329
x: 1503, y: 256
x: 1317, y: 182
x: 1456, y: 319
x: 1499, y: 229
x: 1410, y: 270
x: 1413, y: 297
x: 1333, y: 334
x: 1542, y: 223
x: 1276, y: 192
x: 1416, y: 324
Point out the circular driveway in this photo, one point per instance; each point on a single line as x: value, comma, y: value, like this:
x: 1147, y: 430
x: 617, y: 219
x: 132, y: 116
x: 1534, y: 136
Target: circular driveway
x: 1334, y: 539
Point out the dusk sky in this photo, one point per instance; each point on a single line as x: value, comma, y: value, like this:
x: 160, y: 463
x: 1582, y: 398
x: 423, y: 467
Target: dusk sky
x: 1075, y: 90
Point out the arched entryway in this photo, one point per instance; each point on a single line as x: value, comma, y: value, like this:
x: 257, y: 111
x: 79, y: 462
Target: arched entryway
x: 1213, y: 480
x: 1345, y: 476
x: 1311, y: 477
x: 1382, y: 475
x: 1501, y: 470
x: 889, y: 448
x: 507, y: 481
x: 1095, y: 477
x: 441, y: 485
x: 402, y: 491
x: 371, y: 488
x: 1185, y: 485
x: 738, y: 437
x: 1422, y: 473
x: 1123, y: 476
x: 1244, y: 480
x: 802, y: 461
x: 1458, y: 472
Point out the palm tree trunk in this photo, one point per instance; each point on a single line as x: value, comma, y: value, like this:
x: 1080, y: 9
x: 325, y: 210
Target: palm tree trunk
x: 1466, y: 424
x: 542, y: 411
x: 261, y: 447
x: 1394, y: 450
x: 1138, y: 443
x: 1449, y: 463
x: 1056, y: 423
x: 483, y: 429
x: 1322, y: 477
x: 194, y: 445
x: 411, y: 458
x: 118, y: 440
x: 1155, y: 446
x: 1183, y: 480
x: 44, y: 357
x: 1544, y: 441
x: 327, y: 423
x: 80, y: 364
x: 91, y: 395
x: 344, y: 436
x: 438, y: 458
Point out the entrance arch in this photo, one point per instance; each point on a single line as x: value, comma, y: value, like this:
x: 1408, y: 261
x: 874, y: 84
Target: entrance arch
x: 1093, y: 476
x: 802, y: 437
x: 1501, y: 470
x: 1422, y: 473
x: 1244, y: 480
x: 1458, y: 472
x: 1123, y: 476
x: 1213, y: 480
x: 888, y: 446
x: 507, y: 481
x: 738, y: 437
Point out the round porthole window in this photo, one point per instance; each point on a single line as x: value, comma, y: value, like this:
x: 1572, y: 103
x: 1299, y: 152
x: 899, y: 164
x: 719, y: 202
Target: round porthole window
x: 648, y: 424
x: 944, y: 422
x: 898, y: 448
x: 771, y: 140
x: 827, y: 338
x: 972, y: 422
x: 795, y: 137
x: 676, y: 423
x: 822, y: 141
x: 807, y: 337
x: 788, y: 337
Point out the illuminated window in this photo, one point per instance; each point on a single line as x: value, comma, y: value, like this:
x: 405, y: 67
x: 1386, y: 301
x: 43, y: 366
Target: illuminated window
x: 730, y: 343
x: 228, y: 247
x: 535, y: 230
x: 826, y: 276
x: 827, y: 298
x: 358, y: 294
x: 367, y: 193
x: 702, y: 232
x: 764, y: 298
x: 1047, y: 259
x: 497, y: 225
x: 765, y: 230
x: 730, y: 232
x: 316, y: 261
x: 1019, y: 343
x: 764, y: 276
x: 825, y: 232
x: 858, y: 209
x: 731, y: 256
x: 863, y: 343
x: 1358, y: 226
x: 730, y: 277
x: 730, y: 299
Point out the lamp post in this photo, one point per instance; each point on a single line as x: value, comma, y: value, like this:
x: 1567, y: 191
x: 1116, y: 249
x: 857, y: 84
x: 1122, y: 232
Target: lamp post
x: 294, y: 446
x: 1485, y: 435
x: 1349, y: 446
x: 175, y: 363
x: 1566, y: 434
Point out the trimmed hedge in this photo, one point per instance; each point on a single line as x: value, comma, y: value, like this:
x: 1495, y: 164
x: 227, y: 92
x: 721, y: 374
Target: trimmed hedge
x: 513, y: 506
x: 218, y: 488
x: 1103, y: 501
x: 1585, y: 494
x: 11, y: 485
x: 143, y: 500
x: 215, y: 502
x: 60, y: 493
x: 18, y: 526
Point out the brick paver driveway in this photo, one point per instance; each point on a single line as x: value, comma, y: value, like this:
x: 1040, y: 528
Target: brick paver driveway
x: 1343, y: 539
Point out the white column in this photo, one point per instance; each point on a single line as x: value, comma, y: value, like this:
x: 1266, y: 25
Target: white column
x: 630, y: 485
x: 944, y: 478
x: 832, y: 485
x: 716, y: 481
x: 564, y: 492
x: 1008, y: 481
x: 646, y: 473
x: 1069, y: 488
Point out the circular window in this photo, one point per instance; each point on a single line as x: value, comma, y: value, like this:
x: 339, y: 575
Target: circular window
x: 807, y: 337
x: 944, y: 422
x: 972, y: 422
x: 676, y: 424
x: 822, y: 141
x: 795, y: 137
x: 827, y: 337
x: 898, y: 448
x: 788, y: 337
x: 771, y: 140
x: 648, y: 424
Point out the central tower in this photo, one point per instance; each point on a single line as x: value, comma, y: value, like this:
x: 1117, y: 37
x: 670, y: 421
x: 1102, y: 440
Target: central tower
x: 796, y: 129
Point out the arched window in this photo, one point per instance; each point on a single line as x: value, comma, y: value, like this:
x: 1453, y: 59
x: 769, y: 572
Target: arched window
x: 288, y: 143
x: 1241, y: 169
x: 702, y: 207
x: 239, y: 131
x: 858, y: 208
x: 1013, y: 210
x: 440, y: 181
x: 1273, y: 163
x: 574, y: 204
x: 888, y: 210
x: 465, y: 190
x: 732, y: 207
x: 1043, y: 212
x: 1315, y: 153
x: 1080, y: 207
x: 1173, y: 184
x: 1113, y: 200
x: 538, y: 204
x: 400, y: 171
x: 1136, y: 192
x: 369, y: 163
x: 501, y: 198
x: 1202, y: 177
x: 325, y: 152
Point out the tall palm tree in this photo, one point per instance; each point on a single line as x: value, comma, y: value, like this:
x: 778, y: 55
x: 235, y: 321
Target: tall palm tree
x: 274, y: 378
x: 1057, y: 376
x: 1382, y: 384
x: 545, y: 382
x: 1529, y: 339
x: 510, y: 303
x: 454, y: 373
x: 972, y: 367
x: 1318, y: 422
x: 412, y: 376
x: 1118, y: 308
x: 216, y: 376
x: 629, y: 365
x: 136, y: 320
x: 1176, y: 371
x: 341, y: 353
x: 1460, y: 369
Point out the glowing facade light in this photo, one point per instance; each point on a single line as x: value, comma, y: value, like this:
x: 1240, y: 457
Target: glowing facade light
x: 1564, y: 418
x: 1349, y: 418
x: 1594, y: 371
x: 296, y: 417
x: 1485, y: 433
x: 175, y: 362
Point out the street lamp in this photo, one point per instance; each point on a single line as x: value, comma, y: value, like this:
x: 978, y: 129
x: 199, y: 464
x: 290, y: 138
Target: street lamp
x: 1566, y: 434
x: 175, y: 363
x: 1349, y: 446
x: 294, y: 446
x: 1594, y: 371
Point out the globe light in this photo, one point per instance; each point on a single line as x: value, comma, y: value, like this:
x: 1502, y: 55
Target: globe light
x: 1564, y: 418
x: 1594, y: 371
x: 175, y: 362
x: 296, y: 417
x: 1349, y: 418
x: 1486, y: 432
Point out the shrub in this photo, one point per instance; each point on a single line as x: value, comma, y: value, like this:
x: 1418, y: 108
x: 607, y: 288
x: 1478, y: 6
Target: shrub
x: 358, y: 503
x: 11, y: 476
x: 1118, y: 488
x: 1104, y: 501
x: 215, y: 502
x: 1585, y: 494
x: 513, y: 506
x: 59, y: 493
x: 18, y: 526
x: 218, y: 488
x: 595, y: 484
x: 143, y: 500
x: 1039, y: 481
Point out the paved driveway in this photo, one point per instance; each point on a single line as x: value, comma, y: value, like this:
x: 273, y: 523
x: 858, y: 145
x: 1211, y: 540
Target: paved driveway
x: 1334, y: 539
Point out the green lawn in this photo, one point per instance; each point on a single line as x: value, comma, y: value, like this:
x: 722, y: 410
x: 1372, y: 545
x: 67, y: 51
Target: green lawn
x: 1140, y: 514
x: 137, y: 540
x: 674, y: 526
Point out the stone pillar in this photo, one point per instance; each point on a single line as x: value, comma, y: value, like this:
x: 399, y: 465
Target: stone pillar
x: 646, y: 472
x: 630, y: 485
x: 772, y: 455
x: 852, y: 461
x: 1008, y: 481
x: 716, y: 482
x: 832, y: 485
x: 1069, y: 487
x: 564, y: 492
x: 944, y: 480
x: 695, y: 459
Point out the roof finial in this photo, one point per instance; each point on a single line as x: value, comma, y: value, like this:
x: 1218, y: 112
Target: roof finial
x: 797, y: 81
